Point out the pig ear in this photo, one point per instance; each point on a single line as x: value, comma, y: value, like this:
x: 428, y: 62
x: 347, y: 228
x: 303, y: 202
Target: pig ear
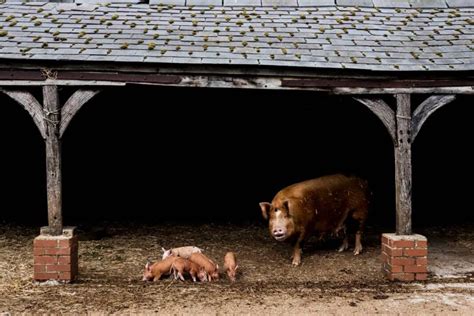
x: 265, y: 206
x: 163, y: 249
x: 147, y: 266
x: 236, y: 267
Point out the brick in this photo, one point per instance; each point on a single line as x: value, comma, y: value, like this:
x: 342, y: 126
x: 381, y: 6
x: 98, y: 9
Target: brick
x: 402, y: 243
x: 415, y: 268
x: 393, y: 252
x: 422, y: 261
x: 65, y: 276
x: 415, y: 252
x: 402, y: 277
x: 38, y: 251
x: 421, y: 276
x: 65, y: 243
x: 401, y: 261
x: 421, y: 244
x: 57, y: 251
x: 62, y: 268
x: 64, y: 260
x: 46, y: 260
x: 39, y: 268
x: 45, y: 243
x: 46, y: 276
x: 385, y: 240
x: 395, y: 269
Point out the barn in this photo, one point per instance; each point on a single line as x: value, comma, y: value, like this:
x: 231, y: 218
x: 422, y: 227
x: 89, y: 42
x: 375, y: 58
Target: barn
x: 199, y: 109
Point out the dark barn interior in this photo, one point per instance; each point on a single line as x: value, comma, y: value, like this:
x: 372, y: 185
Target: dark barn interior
x: 152, y: 154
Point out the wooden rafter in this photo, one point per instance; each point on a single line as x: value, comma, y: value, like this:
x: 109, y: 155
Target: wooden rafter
x: 384, y: 113
x: 426, y: 108
x: 31, y: 105
x: 74, y: 104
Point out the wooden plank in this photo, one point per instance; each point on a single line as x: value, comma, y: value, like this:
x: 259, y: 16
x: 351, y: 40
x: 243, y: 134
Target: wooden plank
x: 53, y: 158
x: 31, y: 105
x: 74, y: 104
x: 383, y: 112
x: 403, y: 168
x: 369, y: 83
x: 432, y: 90
x: 82, y: 83
x: 426, y: 108
x: 360, y: 86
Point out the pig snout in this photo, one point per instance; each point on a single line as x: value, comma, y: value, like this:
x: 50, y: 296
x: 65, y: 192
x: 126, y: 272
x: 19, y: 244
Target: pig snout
x: 279, y: 233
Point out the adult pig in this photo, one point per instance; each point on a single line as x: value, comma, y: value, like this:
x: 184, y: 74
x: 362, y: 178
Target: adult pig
x: 319, y: 206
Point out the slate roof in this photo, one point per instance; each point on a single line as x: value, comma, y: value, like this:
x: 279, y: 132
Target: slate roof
x: 324, y: 36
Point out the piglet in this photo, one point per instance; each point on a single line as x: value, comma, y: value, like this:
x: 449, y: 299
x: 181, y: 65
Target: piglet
x: 153, y: 272
x: 181, y: 266
x: 209, y: 266
x: 183, y: 252
x: 230, y: 265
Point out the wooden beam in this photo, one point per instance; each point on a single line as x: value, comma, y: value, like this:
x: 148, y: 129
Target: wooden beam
x: 403, y: 168
x: 31, y: 105
x: 432, y: 90
x: 74, y: 104
x: 359, y: 86
x: 40, y: 83
x: 425, y: 109
x: 383, y: 112
x: 53, y: 158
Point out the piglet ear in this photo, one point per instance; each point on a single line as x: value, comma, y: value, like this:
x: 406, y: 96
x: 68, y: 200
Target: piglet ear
x: 265, y: 206
x: 148, y: 266
x: 163, y: 249
x: 236, y: 267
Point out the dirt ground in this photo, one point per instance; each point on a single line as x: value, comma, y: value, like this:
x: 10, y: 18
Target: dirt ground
x: 327, y: 282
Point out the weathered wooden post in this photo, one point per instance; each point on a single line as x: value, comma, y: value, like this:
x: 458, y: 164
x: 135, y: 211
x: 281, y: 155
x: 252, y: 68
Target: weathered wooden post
x: 404, y: 254
x: 52, y: 118
x: 403, y: 175
x: 55, y: 249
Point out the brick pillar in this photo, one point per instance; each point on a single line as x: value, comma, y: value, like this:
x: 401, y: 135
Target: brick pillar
x: 404, y: 257
x: 55, y: 257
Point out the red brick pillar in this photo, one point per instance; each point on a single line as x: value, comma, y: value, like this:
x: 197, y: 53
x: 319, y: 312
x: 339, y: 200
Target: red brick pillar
x: 55, y: 256
x: 404, y: 257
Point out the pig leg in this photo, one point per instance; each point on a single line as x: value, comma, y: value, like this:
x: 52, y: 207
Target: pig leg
x: 345, y: 242
x: 297, y: 251
x: 180, y: 275
x: 358, y: 245
x: 193, y: 275
x: 175, y: 274
x: 358, y: 236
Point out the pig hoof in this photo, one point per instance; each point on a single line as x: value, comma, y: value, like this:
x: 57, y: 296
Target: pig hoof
x: 357, y: 251
x: 296, y: 262
x: 342, y: 248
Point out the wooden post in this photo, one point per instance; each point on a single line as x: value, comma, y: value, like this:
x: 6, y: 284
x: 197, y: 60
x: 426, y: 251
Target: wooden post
x: 403, y: 173
x: 52, y: 117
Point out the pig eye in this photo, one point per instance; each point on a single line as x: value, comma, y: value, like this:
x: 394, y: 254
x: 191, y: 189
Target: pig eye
x: 277, y: 210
